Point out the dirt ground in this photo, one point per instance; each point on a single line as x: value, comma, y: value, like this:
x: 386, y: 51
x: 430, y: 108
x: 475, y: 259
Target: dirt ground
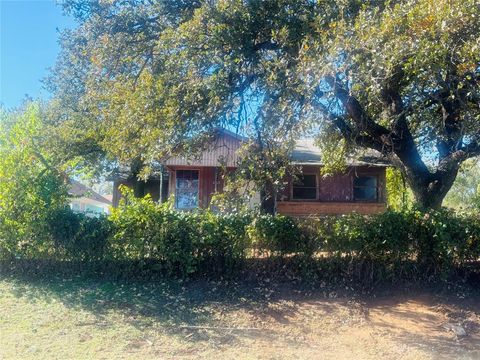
x: 78, y: 319
x: 420, y: 326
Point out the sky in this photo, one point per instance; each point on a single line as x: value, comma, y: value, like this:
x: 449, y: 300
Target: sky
x: 28, y: 47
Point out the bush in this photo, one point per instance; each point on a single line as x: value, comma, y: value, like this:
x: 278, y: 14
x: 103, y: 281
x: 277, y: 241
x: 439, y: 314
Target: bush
x: 434, y: 241
x: 278, y: 235
x: 445, y: 239
x: 387, y: 246
x: 177, y: 242
x: 223, y: 242
x: 79, y: 237
x: 384, y: 237
x: 149, y: 233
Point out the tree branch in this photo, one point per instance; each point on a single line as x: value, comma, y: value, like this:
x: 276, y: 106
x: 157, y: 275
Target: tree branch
x: 356, y: 111
x: 348, y: 133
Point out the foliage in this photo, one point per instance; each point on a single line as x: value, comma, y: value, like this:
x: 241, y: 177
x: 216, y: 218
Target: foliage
x: 179, y: 242
x: 465, y: 193
x: 278, y: 235
x: 155, y: 78
x: 79, y: 237
x: 399, y: 196
x: 30, y: 186
x: 147, y: 236
x: 223, y: 242
x: 438, y: 241
x: 406, y: 77
x: 147, y: 231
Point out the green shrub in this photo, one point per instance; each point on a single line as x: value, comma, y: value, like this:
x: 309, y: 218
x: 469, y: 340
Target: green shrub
x: 148, y: 232
x: 30, y: 187
x: 445, y: 239
x: 79, y: 237
x: 437, y: 241
x: 179, y: 242
x: 223, y: 241
x: 384, y: 237
x: 149, y: 236
x: 278, y: 235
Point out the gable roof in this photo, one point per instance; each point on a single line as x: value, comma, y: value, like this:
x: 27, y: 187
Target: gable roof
x: 77, y: 190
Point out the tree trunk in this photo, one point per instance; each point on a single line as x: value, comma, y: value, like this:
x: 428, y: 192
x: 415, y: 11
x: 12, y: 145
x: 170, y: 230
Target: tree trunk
x: 429, y: 193
x: 139, y: 188
x: 138, y: 184
x: 268, y: 199
x: 427, y: 200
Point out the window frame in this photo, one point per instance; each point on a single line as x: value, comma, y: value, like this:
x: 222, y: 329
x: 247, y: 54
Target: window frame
x: 377, y: 188
x: 292, y: 198
x: 198, y: 189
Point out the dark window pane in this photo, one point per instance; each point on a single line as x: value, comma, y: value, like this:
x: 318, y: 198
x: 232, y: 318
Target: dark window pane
x: 305, y: 181
x: 365, y: 181
x: 305, y: 187
x: 304, y: 193
x: 365, y: 188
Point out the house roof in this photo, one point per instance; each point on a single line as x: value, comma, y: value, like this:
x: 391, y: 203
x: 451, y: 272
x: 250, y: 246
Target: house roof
x: 307, y: 153
x: 78, y: 190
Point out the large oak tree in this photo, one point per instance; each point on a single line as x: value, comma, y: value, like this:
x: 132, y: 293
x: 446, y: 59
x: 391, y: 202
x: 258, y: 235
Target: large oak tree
x: 150, y: 78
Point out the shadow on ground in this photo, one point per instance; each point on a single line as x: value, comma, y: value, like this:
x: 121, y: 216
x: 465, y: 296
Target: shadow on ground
x: 226, y: 311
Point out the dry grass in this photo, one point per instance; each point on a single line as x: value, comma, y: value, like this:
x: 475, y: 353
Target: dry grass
x: 77, y: 318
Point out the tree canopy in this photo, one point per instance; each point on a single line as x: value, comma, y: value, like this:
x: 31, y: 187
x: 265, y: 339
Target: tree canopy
x: 144, y: 79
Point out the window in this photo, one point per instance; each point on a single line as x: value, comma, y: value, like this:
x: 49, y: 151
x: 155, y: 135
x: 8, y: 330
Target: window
x: 186, y: 189
x: 365, y: 188
x: 305, y: 187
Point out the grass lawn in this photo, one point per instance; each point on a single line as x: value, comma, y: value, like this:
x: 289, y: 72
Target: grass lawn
x: 80, y: 318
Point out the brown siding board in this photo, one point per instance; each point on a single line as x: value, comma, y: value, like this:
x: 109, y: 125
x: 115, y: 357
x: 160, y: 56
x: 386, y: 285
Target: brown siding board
x: 208, y: 185
x: 336, y: 188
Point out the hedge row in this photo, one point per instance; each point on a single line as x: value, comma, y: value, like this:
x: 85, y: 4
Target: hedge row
x: 181, y: 243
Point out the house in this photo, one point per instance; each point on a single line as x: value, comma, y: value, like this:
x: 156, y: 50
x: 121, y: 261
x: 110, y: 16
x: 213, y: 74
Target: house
x: 361, y: 188
x: 85, y: 200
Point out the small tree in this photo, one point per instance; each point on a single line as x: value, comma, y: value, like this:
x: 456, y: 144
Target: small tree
x: 30, y: 187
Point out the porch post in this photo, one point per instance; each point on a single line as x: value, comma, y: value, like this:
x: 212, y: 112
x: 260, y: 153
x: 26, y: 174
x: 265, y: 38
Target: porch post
x: 161, y: 200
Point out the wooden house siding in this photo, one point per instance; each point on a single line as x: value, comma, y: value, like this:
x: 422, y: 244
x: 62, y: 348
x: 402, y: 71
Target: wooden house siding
x: 222, y: 152
x: 301, y: 209
x: 338, y: 187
